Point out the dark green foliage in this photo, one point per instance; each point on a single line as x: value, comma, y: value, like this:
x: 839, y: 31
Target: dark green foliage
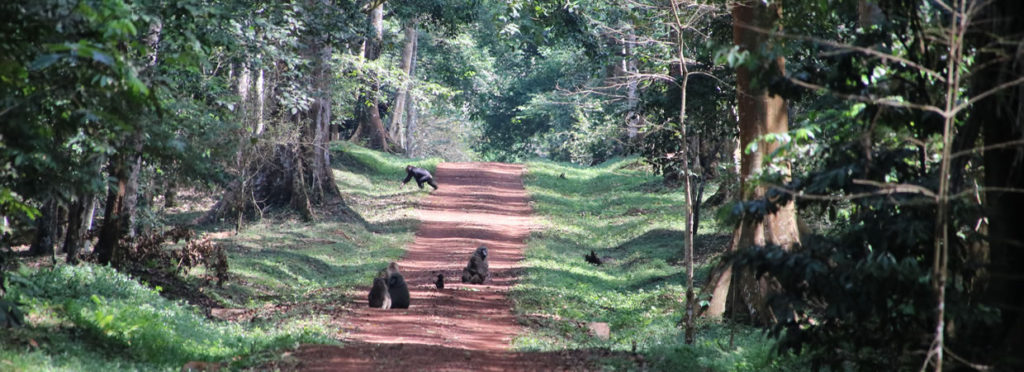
x: 10, y: 315
x: 861, y: 294
x: 68, y: 92
x: 709, y: 116
x: 445, y: 16
x: 508, y: 126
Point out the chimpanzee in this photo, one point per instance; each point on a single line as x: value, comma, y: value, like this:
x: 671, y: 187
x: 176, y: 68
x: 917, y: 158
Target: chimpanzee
x: 476, y: 271
x: 420, y: 175
x: 397, y: 289
x: 439, y: 283
x: 379, y: 296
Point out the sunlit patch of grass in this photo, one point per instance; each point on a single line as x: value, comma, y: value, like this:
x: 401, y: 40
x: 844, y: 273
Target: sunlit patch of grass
x: 622, y: 212
x: 291, y: 274
x: 285, y: 259
x: 94, y: 318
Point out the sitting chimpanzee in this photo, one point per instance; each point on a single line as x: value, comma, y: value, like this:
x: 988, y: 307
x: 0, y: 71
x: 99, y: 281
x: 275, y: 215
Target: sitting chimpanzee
x: 421, y: 175
x: 476, y: 271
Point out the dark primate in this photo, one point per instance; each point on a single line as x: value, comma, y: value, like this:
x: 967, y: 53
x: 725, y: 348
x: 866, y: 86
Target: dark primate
x: 379, y: 296
x: 439, y: 283
x: 397, y: 288
x: 592, y: 258
x: 420, y: 175
x: 476, y: 271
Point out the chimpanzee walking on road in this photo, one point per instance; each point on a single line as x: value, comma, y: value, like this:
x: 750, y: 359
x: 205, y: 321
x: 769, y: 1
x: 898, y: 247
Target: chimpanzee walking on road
x: 421, y: 175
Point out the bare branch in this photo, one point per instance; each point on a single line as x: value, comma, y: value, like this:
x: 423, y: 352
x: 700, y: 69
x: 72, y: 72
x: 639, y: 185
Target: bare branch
x: 989, y: 92
x: 893, y: 188
x: 877, y: 101
x: 989, y: 147
x: 881, y: 55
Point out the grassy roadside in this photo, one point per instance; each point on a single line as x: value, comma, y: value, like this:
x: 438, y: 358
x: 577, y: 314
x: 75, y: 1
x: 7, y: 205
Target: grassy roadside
x: 285, y: 277
x: 626, y: 216
x: 282, y: 260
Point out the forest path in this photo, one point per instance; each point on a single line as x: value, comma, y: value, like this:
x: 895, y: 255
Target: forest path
x: 461, y: 327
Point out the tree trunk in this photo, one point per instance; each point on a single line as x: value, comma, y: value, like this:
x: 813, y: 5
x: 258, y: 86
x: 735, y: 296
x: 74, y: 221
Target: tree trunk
x: 317, y: 132
x: 411, y: 114
x: 74, y: 240
x: 632, y: 83
x: 89, y: 216
x: 869, y: 14
x: 1001, y: 118
x: 620, y: 74
x: 46, y: 229
x: 111, y: 231
x: 760, y: 113
x: 131, y: 196
x: 397, y: 125
x: 119, y: 219
x: 371, y: 127
x: 170, y: 193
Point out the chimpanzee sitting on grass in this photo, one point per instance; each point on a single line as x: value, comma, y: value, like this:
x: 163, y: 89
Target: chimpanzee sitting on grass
x: 421, y: 175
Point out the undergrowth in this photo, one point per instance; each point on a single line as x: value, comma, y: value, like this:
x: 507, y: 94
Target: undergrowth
x: 286, y: 275
x: 89, y: 318
x: 622, y: 212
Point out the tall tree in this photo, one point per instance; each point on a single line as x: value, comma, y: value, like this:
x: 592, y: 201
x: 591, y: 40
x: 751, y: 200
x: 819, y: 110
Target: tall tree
x: 999, y: 113
x: 760, y: 113
x: 370, y: 126
x: 125, y: 169
x: 285, y: 158
x: 399, y: 127
x: 316, y: 133
x: 411, y: 113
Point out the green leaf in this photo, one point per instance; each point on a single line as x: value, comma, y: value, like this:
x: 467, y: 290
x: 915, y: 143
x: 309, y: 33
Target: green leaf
x: 103, y: 58
x: 44, y: 61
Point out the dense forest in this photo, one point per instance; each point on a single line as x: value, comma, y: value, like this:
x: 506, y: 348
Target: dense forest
x: 759, y: 184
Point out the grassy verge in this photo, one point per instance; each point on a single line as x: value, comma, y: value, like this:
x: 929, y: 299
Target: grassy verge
x: 92, y: 318
x: 624, y: 214
x: 282, y: 259
x: 286, y: 276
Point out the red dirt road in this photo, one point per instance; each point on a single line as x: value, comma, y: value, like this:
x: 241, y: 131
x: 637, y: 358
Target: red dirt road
x: 461, y: 327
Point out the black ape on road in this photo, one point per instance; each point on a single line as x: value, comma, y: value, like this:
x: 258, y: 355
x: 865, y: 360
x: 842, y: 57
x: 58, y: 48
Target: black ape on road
x: 420, y: 175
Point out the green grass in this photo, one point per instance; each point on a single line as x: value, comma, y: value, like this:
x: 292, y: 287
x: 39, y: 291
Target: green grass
x: 291, y: 274
x: 89, y: 318
x: 624, y: 214
x: 283, y: 259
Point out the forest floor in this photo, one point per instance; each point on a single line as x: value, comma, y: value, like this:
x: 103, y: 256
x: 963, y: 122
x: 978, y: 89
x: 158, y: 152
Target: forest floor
x: 460, y: 327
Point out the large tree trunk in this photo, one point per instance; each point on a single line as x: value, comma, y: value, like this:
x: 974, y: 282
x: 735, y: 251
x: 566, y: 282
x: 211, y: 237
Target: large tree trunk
x: 123, y: 198
x: 1001, y: 118
x: 398, y: 110
x: 126, y: 168
x: 371, y: 127
x: 316, y: 134
x: 759, y: 113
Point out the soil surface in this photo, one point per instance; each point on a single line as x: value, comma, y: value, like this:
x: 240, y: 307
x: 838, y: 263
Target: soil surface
x: 463, y: 326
